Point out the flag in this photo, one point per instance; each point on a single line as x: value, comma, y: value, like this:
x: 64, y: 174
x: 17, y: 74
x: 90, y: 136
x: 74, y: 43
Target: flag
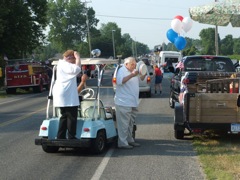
x: 5, y: 57
x: 180, y: 65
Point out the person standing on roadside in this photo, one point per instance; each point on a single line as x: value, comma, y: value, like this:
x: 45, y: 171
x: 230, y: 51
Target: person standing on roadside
x: 65, y: 93
x: 158, y: 78
x: 126, y: 102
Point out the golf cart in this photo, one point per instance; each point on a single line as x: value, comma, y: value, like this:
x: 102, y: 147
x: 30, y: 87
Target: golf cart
x: 96, y: 124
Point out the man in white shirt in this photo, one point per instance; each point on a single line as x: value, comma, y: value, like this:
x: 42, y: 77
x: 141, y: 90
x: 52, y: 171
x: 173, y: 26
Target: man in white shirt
x: 65, y: 93
x: 126, y: 102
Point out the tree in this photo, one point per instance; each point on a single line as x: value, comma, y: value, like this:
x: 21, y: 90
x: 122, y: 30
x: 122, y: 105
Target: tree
x: 236, y: 46
x: 22, y: 25
x: 227, y: 45
x: 207, y: 38
x: 68, y: 27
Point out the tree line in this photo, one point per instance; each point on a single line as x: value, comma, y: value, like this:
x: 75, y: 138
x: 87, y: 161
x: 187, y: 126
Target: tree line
x: 39, y: 29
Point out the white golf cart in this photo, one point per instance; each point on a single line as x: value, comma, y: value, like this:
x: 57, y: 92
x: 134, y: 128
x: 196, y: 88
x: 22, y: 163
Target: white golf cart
x: 95, y: 125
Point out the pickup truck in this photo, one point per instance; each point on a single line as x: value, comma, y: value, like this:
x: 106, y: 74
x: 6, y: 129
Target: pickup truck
x: 210, y: 95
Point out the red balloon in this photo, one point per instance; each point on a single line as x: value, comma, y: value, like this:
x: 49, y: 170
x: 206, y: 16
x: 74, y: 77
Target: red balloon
x: 178, y: 17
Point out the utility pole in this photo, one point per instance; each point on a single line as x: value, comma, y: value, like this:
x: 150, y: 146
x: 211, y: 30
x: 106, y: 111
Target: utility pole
x: 216, y: 38
x: 135, y: 47
x: 88, y: 29
x: 114, y: 54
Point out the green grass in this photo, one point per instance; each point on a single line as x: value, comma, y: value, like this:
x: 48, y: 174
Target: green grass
x: 219, y: 156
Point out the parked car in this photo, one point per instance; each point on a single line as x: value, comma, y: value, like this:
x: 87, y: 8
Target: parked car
x: 144, y: 85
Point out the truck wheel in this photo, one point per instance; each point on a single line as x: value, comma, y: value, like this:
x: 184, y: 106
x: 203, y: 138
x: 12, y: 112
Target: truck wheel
x: 11, y: 91
x: 179, y: 134
x: 38, y: 89
x: 50, y: 149
x: 99, y: 143
x: 171, y: 101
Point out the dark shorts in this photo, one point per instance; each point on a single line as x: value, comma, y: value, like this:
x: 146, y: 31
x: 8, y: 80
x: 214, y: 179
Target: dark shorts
x: 158, y: 79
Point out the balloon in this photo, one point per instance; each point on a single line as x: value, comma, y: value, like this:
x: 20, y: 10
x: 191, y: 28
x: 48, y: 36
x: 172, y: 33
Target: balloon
x: 178, y: 17
x: 187, y: 24
x: 180, y: 42
x: 171, y: 35
x: 176, y: 25
x: 96, y: 52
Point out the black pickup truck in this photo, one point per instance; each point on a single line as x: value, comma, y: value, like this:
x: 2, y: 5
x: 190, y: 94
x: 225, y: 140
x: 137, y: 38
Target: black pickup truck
x: 211, y: 99
x: 200, y: 68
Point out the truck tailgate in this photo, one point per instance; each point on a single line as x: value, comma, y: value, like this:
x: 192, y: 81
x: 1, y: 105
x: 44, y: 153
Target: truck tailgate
x: 212, y: 108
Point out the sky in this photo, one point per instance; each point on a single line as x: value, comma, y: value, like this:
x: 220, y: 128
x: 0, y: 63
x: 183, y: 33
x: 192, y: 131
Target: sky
x: 147, y: 21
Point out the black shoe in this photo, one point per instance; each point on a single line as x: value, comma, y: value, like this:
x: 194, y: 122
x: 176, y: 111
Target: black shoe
x: 72, y: 138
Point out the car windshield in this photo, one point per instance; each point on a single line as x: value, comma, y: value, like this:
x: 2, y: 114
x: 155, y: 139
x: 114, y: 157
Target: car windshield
x: 205, y: 64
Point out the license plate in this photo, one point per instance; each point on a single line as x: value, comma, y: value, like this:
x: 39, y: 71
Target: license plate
x: 235, y: 127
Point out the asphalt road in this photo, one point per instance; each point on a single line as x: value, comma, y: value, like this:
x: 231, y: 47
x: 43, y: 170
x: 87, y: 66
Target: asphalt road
x: 160, y: 157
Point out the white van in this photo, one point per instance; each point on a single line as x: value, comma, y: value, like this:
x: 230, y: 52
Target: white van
x: 168, y: 59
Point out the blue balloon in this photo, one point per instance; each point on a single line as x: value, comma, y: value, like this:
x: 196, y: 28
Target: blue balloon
x: 180, y: 42
x: 171, y: 35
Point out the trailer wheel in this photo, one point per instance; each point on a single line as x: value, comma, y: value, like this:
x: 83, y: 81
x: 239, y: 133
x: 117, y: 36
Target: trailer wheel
x: 99, y: 143
x: 179, y: 134
x: 50, y: 149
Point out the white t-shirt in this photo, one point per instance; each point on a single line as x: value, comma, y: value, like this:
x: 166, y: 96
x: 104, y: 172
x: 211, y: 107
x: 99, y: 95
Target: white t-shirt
x: 127, y: 94
x: 65, y: 88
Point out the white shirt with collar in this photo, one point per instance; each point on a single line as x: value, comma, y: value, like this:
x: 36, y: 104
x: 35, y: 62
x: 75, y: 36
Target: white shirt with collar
x: 65, y: 88
x: 127, y: 94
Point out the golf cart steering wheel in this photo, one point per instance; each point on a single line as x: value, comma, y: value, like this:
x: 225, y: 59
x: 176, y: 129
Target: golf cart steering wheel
x: 87, y: 93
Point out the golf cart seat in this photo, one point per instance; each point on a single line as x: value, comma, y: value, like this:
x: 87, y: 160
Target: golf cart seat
x: 87, y: 109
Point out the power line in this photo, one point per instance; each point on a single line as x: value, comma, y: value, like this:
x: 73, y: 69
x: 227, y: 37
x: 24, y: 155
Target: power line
x: 125, y: 17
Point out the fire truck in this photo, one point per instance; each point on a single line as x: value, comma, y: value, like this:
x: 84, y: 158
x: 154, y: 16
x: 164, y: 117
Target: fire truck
x: 24, y: 74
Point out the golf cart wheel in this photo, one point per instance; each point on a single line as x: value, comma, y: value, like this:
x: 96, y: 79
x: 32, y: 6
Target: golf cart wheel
x: 50, y: 149
x: 99, y: 143
x: 134, y: 131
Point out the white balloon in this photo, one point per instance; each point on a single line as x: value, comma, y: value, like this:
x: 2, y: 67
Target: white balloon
x: 176, y: 25
x: 187, y: 24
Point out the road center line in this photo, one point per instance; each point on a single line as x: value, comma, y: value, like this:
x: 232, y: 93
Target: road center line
x: 98, y: 173
x: 20, y: 118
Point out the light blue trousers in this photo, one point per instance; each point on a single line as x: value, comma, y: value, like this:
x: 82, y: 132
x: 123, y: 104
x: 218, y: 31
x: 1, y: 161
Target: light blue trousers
x: 125, y: 120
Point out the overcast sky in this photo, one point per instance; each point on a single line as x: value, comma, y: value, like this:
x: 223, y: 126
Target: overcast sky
x: 147, y: 21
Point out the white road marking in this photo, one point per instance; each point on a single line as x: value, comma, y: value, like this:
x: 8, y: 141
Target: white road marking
x: 98, y: 173
x: 18, y: 99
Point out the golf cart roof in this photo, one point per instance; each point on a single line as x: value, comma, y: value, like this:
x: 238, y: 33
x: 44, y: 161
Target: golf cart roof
x: 94, y: 61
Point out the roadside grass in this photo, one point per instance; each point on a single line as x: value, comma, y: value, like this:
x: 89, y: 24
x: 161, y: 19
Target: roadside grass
x: 219, y: 155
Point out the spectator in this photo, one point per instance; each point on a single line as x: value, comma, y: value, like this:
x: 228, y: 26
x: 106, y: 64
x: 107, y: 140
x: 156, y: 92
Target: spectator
x: 65, y: 93
x: 86, y: 74
x: 126, y: 102
x: 158, y: 78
